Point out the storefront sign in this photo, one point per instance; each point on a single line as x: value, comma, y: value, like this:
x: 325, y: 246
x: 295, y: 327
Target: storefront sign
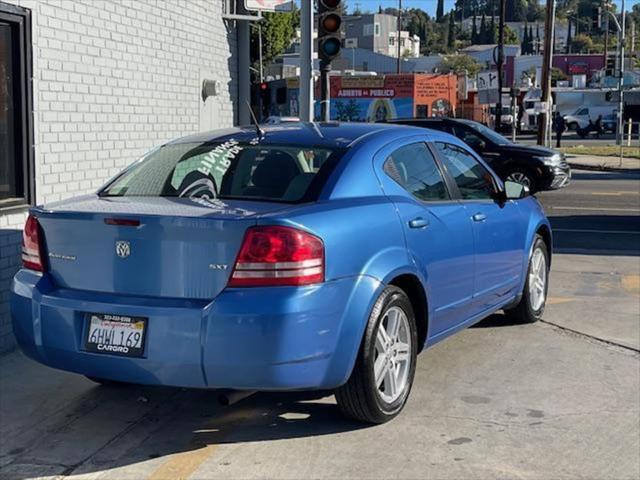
x: 268, y: 5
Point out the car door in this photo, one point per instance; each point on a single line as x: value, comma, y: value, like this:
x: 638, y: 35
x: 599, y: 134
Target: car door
x: 437, y: 229
x: 498, y: 227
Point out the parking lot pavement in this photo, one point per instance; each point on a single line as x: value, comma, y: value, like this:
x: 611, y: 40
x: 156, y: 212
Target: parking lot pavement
x: 557, y: 399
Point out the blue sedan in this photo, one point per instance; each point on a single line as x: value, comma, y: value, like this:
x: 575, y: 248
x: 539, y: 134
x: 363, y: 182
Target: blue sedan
x: 300, y: 257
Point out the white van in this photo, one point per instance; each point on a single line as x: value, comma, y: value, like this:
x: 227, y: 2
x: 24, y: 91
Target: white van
x: 580, y: 118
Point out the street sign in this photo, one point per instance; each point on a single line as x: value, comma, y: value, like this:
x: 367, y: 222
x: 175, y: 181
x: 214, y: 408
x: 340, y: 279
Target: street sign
x: 540, y: 107
x: 268, y: 5
x: 488, y: 87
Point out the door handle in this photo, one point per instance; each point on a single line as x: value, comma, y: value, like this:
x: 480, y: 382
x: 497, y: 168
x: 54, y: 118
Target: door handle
x: 418, y: 223
x: 479, y: 217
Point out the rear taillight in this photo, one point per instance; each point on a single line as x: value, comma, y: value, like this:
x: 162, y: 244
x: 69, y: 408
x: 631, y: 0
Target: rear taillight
x: 274, y: 255
x: 32, y: 245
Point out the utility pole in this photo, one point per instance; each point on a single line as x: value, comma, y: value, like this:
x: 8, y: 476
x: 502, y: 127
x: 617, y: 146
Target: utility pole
x: 306, y: 62
x: 499, y: 63
x: 606, y: 41
x: 623, y: 25
x: 398, y: 34
x: 545, y: 116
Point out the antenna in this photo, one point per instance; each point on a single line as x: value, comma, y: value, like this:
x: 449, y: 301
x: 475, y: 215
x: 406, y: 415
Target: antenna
x: 259, y: 130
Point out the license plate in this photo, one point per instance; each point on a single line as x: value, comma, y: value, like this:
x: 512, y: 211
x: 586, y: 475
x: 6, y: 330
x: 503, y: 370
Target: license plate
x: 115, y: 334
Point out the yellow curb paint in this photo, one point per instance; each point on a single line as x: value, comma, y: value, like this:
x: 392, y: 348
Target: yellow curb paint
x: 181, y: 466
x: 631, y: 284
x: 559, y: 300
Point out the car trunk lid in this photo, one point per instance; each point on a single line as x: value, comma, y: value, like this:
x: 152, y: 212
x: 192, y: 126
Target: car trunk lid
x: 165, y: 247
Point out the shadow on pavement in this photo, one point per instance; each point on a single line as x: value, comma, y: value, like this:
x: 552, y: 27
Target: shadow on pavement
x: 112, y: 426
x: 496, y: 320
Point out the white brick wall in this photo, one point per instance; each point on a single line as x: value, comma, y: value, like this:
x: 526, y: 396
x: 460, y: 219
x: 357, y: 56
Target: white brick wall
x: 112, y: 79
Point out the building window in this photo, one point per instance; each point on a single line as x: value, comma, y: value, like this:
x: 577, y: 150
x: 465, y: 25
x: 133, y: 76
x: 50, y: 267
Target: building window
x: 16, y: 108
x: 377, y: 27
x: 392, y: 41
x: 367, y: 30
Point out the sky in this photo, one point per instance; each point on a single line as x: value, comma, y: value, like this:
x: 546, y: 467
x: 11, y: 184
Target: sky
x: 430, y: 5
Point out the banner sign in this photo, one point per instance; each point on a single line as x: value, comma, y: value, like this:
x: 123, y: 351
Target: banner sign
x: 268, y: 5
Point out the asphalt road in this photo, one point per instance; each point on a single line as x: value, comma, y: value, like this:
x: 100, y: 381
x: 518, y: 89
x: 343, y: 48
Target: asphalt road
x: 557, y: 399
x: 598, y: 212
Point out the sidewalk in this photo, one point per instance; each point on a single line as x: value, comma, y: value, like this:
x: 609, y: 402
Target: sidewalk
x: 596, y: 162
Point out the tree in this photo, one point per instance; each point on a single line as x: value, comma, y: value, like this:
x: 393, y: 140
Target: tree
x: 510, y: 36
x: 531, y: 41
x: 524, y: 46
x: 474, y: 29
x: 492, y: 34
x: 516, y: 10
x: 535, y: 12
x: 582, y: 44
x: 538, y: 41
x: 557, y: 74
x: 459, y: 63
x: 482, y: 36
x: 278, y: 31
x: 451, y: 33
x: 418, y: 23
x: 440, y: 10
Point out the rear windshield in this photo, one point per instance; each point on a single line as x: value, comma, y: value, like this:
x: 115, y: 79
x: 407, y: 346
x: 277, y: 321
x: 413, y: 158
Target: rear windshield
x: 230, y: 170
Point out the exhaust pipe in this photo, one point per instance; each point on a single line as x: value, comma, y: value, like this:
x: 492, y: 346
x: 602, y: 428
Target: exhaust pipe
x: 234, y: 396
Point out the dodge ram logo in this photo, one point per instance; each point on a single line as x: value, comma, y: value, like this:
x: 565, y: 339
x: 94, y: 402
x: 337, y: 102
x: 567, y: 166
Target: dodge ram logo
x: 123, y: 248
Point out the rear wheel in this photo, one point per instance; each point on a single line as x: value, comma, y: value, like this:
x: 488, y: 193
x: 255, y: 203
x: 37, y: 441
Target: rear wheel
x: 383, y: 374
x: 534, y: 296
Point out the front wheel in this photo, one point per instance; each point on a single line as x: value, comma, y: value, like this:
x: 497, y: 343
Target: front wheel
x: 523, y: 177
x: 534, y: 296
x: 383, y: 374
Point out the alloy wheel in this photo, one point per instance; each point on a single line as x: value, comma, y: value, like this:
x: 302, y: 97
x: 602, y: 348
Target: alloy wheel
x: 392, y: 362
x: 521, y: 178
x: 537, y: 279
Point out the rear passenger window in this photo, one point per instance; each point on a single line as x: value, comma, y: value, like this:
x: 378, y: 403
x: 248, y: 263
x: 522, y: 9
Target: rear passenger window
x: 415, y: 169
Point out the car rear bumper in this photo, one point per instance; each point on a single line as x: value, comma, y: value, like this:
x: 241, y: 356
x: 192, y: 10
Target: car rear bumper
x: 277, y: 338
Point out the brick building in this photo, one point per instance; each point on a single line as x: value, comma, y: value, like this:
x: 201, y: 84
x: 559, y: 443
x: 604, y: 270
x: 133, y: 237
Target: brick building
x: 110, y: 80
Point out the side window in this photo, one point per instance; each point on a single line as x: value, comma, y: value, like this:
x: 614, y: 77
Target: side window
x: 415, y: 169
x: 469, y: 137
x: 474, y: 180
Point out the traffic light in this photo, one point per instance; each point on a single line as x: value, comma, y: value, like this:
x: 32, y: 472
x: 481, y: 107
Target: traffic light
x: 265, y: 99
x: 329, y: 21
x: 610, y: 67
x: 597, y: 19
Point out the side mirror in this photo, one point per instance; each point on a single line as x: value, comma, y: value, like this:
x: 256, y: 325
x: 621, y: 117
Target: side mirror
x: 515, y: 191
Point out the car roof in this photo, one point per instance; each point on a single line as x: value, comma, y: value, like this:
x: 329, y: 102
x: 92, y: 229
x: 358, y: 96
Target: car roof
x: 411, y: 121
x: 322, y: 134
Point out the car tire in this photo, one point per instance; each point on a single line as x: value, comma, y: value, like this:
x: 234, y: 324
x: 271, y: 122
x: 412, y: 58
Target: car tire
x: 522, y: 175
x: 363, y: 398
x: 573, y: 126
x: 106, y: 382
x: 534, y: 295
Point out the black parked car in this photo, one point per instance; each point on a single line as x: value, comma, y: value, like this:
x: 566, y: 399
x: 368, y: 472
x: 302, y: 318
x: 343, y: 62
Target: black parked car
x: 538, y: 168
